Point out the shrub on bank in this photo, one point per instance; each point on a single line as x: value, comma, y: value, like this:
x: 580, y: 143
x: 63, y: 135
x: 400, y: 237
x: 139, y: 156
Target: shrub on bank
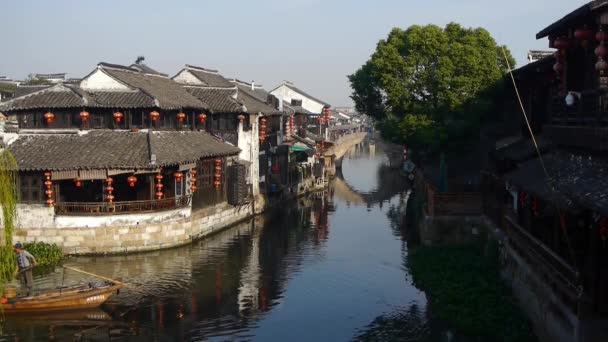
x: 47, y: 255
x: 465, y: 290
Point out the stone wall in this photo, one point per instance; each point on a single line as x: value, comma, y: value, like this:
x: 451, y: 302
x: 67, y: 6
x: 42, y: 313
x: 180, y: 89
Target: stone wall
x: 126, y: 239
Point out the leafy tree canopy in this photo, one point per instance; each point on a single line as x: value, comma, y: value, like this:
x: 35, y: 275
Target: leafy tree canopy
x: 33, y: 80
x: 430, y: 82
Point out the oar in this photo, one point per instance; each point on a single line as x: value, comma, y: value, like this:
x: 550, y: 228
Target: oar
x: 95, y: 275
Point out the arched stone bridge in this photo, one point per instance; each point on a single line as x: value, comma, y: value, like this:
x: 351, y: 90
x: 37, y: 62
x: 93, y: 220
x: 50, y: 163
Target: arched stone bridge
x: 345, y: 143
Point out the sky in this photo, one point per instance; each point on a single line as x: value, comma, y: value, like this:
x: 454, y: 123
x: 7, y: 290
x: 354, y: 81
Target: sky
x: 312, y: 43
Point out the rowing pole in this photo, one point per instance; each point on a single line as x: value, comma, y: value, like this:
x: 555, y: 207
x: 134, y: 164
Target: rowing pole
x: 95, y: 275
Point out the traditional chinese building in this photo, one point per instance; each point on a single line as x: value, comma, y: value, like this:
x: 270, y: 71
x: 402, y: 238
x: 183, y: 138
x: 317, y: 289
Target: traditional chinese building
x: 549, y: 194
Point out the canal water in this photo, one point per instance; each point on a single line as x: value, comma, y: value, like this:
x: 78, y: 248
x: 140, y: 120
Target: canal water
x: 327, y: 267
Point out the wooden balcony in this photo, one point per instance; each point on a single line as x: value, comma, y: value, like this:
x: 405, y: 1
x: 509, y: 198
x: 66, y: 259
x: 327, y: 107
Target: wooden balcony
x: 120, y: 208
x: 550, y: 267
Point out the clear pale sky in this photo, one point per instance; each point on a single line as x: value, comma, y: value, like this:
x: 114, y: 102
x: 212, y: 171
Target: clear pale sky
x: 312, y: 43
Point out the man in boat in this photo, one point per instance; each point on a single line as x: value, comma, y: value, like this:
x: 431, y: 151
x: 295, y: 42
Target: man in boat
x: 25, y: 264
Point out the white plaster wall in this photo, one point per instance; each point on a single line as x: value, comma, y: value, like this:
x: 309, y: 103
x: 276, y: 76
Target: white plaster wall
x: 287, y: 94
x: 185, y: 77
x: 125, y: 220
x: 249, y: 144
x: 32, y: 215
x: 99, y: 80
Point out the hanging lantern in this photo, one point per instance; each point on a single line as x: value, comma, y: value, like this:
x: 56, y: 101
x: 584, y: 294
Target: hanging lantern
x: 118, y: 116
x: 601, y: 51
x: 601, y: 65
x: 159, y: 195
x: 584, y: 34
x: 193, y: 188
x: 178, y: 176
x: 523, y: 198
x: 154, y: 116
x: 601, y: 35
x: 217, y: 184
x: 262, y: 129
x: 202, y: 117
x: 84, y: 116
x: 159, y: 177
x: 109, y: 181
x: 241, y: 118
x: 218, y: 174
x: 193, y: 172
x: 49, y: 117
x: 49, y: 189
x: 159, y: 186
x: 110, y: 189
x: 77, y: 182
x: 132, y: 180
x: 181, y: 117
x: 193, y: 180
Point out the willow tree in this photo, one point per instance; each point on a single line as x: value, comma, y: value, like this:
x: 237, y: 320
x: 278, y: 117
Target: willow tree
x: 8, y: 201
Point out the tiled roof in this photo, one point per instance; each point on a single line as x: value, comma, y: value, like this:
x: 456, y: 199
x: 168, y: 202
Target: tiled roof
x: 219, y: 100
x: 254, y: 105
x: 28, y: 89
x: 259, y: 93
x: 121, y: 99
x: 209, y: 77
x: 58, y: 96
x: 289, y: 108
x: 146, y: 69
x: 114, y: 149
x: 187, y: 146
x: 574, y: 178
x: 168, y: 94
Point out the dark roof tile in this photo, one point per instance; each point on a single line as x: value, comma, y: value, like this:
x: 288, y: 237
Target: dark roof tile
x: 219, y: 100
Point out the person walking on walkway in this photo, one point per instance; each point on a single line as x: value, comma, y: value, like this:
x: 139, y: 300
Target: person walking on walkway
x: 25, y: 264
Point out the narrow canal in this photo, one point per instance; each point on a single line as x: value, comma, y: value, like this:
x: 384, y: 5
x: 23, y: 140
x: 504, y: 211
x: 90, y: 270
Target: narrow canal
x: 328, y: 267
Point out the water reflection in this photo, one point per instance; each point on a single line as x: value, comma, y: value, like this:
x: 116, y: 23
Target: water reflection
x: 325, y: 267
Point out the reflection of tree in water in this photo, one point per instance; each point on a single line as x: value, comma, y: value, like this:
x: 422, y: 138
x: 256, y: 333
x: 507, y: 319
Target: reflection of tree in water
x: 410, y: 324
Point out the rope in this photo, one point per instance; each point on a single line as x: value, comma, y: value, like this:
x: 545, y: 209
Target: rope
x: 540, y: 157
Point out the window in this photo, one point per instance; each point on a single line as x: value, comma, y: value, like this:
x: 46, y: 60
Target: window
x: 31, y: 188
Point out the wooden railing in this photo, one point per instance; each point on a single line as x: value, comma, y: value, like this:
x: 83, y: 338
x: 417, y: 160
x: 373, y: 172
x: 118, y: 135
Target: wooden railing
x: 547, y: 264
x: 590, y: 110
x: 105, y: 208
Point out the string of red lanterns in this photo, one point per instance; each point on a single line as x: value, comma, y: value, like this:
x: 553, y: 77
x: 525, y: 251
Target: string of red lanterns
x: 193, y: 180
x: 218, y: 173
x: 601, y: 52
x: 49, y: 117
x: 49, y: 189
x: 262, y: 130
x: 110, y: 189
x: 159, y: 186
x: 292, y: 124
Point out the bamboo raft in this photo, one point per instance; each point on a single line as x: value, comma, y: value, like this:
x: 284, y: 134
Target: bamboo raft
x: 76, y: 297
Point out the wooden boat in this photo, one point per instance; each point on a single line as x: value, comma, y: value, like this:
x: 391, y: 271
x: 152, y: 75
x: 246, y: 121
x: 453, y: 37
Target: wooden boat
x: 68, y: 298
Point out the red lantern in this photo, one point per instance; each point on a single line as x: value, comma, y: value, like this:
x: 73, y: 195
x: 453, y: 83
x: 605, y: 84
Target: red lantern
x: 202, y: 117
x: 181, y: 117
x: 159, y: 194
x: 132, y: 180
x: 77, y: 182
x: 110, y: 198
x: 49, y: 193
x: 193, y: 172
x: 522, y: 198
x: 584, y: 34
x: 48, y: 183
x: 50, y: 202
x: 601, y: 36
x: 218, y: 176
x: 49, y: 117
x: 159, y: 186
x: 154, y: 116
x: 601, y: 51
x: 241, y: 118
x: 178, y: 176
x: 118, y: 116
x: 561, y: 43
x: 193, y: 180
x: 84, y: 116
x: 109, y: 181
x: 193, y: 188
x: 601, y: 65
x: 262, y: 129
x: 217, y: 184
x: 159, y: 177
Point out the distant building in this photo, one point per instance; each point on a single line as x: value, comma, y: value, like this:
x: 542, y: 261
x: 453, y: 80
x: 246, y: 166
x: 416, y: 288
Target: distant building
x: 288, y: 93
x: 346, y: 109
x: 7, y: 88
x: 53, y: 78
x: 535, y: 55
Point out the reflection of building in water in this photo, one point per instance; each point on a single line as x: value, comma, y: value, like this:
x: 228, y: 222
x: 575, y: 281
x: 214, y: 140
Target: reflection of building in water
x: 250, y: 276
x: 372, y: 151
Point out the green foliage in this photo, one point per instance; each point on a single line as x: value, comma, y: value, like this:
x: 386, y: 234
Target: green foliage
x: 47, y: 255
x: 9, y: 198
x: 32, y: 80
x: 465, y: 290
x: 443, y: 75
